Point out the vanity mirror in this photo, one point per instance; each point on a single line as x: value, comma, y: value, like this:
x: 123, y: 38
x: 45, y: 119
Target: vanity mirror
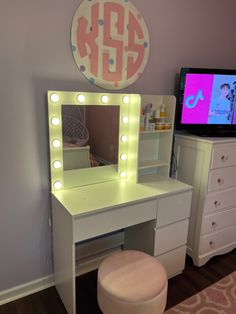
x: 90, y: 136
x: 92, y: 129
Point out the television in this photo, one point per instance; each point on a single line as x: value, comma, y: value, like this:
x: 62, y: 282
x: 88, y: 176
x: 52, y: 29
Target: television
x: 206, y: 102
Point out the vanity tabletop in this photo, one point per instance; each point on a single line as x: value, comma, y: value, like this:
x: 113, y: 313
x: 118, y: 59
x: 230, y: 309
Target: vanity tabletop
x: 86, y: 200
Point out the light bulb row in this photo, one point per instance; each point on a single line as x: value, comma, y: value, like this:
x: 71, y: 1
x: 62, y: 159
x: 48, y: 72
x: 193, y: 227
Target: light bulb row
x: 124, y: 139
x: 81, y: 98
x: 57, y: 164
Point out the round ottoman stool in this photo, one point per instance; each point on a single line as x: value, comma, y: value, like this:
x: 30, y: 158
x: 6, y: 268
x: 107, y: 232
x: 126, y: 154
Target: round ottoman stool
x: 132, y: 282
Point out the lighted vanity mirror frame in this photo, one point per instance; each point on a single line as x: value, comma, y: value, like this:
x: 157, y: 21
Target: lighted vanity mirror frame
x: 128, y: 130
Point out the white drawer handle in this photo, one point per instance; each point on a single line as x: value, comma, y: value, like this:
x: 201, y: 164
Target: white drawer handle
x: 217, y: 203
x: 220, y: 181
x: 214, y: 224
x: 224, y: 158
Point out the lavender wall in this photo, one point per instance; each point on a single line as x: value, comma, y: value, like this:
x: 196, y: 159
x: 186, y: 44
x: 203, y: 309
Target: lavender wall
x: 35, y: 56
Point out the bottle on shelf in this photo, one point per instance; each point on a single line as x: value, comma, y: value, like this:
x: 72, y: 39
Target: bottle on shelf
x: 162, y: 122
x: 142, y: 121
x: 148, y: 116
x: 162, y: 111
x: 147, y: 121
x: 157, y: 114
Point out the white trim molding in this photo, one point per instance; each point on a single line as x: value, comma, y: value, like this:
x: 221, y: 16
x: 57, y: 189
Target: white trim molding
x: 26, y: 289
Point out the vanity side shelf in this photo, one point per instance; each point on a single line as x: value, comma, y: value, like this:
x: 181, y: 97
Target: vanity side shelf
x: 155, y: 146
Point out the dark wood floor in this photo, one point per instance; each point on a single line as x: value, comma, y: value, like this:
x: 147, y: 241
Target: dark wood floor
x: 192, y: 280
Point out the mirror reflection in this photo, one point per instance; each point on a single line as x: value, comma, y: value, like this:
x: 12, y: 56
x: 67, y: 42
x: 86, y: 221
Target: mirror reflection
x: 90, y: 136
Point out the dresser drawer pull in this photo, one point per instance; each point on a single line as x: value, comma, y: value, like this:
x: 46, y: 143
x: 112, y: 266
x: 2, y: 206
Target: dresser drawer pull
x: 217, y: 203
x: 214, y: 224
x: 224, y: 158
x: 220, y: 181
x: 211, y: 243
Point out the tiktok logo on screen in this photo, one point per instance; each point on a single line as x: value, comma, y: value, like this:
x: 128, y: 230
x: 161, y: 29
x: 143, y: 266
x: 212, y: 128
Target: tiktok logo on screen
x: 110, y: 42
x: 192, y: 100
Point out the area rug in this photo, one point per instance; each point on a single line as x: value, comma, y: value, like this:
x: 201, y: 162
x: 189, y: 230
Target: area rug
x: 219, y: 298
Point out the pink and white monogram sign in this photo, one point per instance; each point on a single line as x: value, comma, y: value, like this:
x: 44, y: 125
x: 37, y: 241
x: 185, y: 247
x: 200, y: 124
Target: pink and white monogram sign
x: 110, y: 42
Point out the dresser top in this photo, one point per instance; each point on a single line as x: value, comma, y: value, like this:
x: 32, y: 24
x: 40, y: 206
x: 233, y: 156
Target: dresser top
x: 212, y: 140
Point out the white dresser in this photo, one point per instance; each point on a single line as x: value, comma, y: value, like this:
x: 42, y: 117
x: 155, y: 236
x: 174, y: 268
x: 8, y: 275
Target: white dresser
x: 209, y: 165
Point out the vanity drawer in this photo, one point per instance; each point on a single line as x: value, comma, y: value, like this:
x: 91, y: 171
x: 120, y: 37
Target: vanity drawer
x: 170, y: 237
x: 223, y: 156
x: 87, y: 227
x: 173, y: 208
x: 217, y: 201
x: 217, y: 240
x: 223, y: 178
x: 218, y: 221
x: 173, y: 261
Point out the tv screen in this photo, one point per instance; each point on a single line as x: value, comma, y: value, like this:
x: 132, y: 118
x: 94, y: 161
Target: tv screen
x: 206, y: 102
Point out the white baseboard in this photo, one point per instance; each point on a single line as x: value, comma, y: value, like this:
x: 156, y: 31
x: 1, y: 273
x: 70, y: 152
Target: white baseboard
x: 26, y: 289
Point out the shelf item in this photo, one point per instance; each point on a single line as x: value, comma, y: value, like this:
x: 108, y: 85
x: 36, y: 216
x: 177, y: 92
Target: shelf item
x: 209, y: 164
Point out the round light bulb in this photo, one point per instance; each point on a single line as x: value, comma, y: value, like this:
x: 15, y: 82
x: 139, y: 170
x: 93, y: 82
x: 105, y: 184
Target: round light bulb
x: 57, y: 164
x: 124, y: 138
x: 81, y: 98
x: 55, y: 121
x: 54, y: 97
x: 125, y: 99
x: 56, y: 143
x: 123, y: 156
x: 125, y: 119
x: 122, y: 174
x: 104, y: 99
x: 57, y: 185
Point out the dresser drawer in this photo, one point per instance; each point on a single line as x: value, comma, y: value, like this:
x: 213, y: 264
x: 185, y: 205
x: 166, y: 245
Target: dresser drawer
x: 217, y: 240
x: 218, y: 221
x: 219, y: 200
x: 173, y: 208
x: 222, y: 178
x: 87, y: 227
x: 170, y: 237
x: 223, y: 156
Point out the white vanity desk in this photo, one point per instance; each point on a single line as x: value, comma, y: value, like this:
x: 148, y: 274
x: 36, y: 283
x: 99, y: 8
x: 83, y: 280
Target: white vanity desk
x: 86, y: 212
x: 134, y: 197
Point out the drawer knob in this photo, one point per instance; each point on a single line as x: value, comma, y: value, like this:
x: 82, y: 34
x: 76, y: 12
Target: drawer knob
x: 224, y: 158
x: 217, y: 203
x: 220, y: 181
x: 214, y: 224
x: 211, y: 243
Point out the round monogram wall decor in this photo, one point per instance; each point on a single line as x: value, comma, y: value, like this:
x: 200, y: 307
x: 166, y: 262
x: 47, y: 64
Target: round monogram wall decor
x: 110, y: 42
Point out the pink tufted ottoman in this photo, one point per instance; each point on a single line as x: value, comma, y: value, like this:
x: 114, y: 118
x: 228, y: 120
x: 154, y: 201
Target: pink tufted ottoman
x: 132, y: 282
